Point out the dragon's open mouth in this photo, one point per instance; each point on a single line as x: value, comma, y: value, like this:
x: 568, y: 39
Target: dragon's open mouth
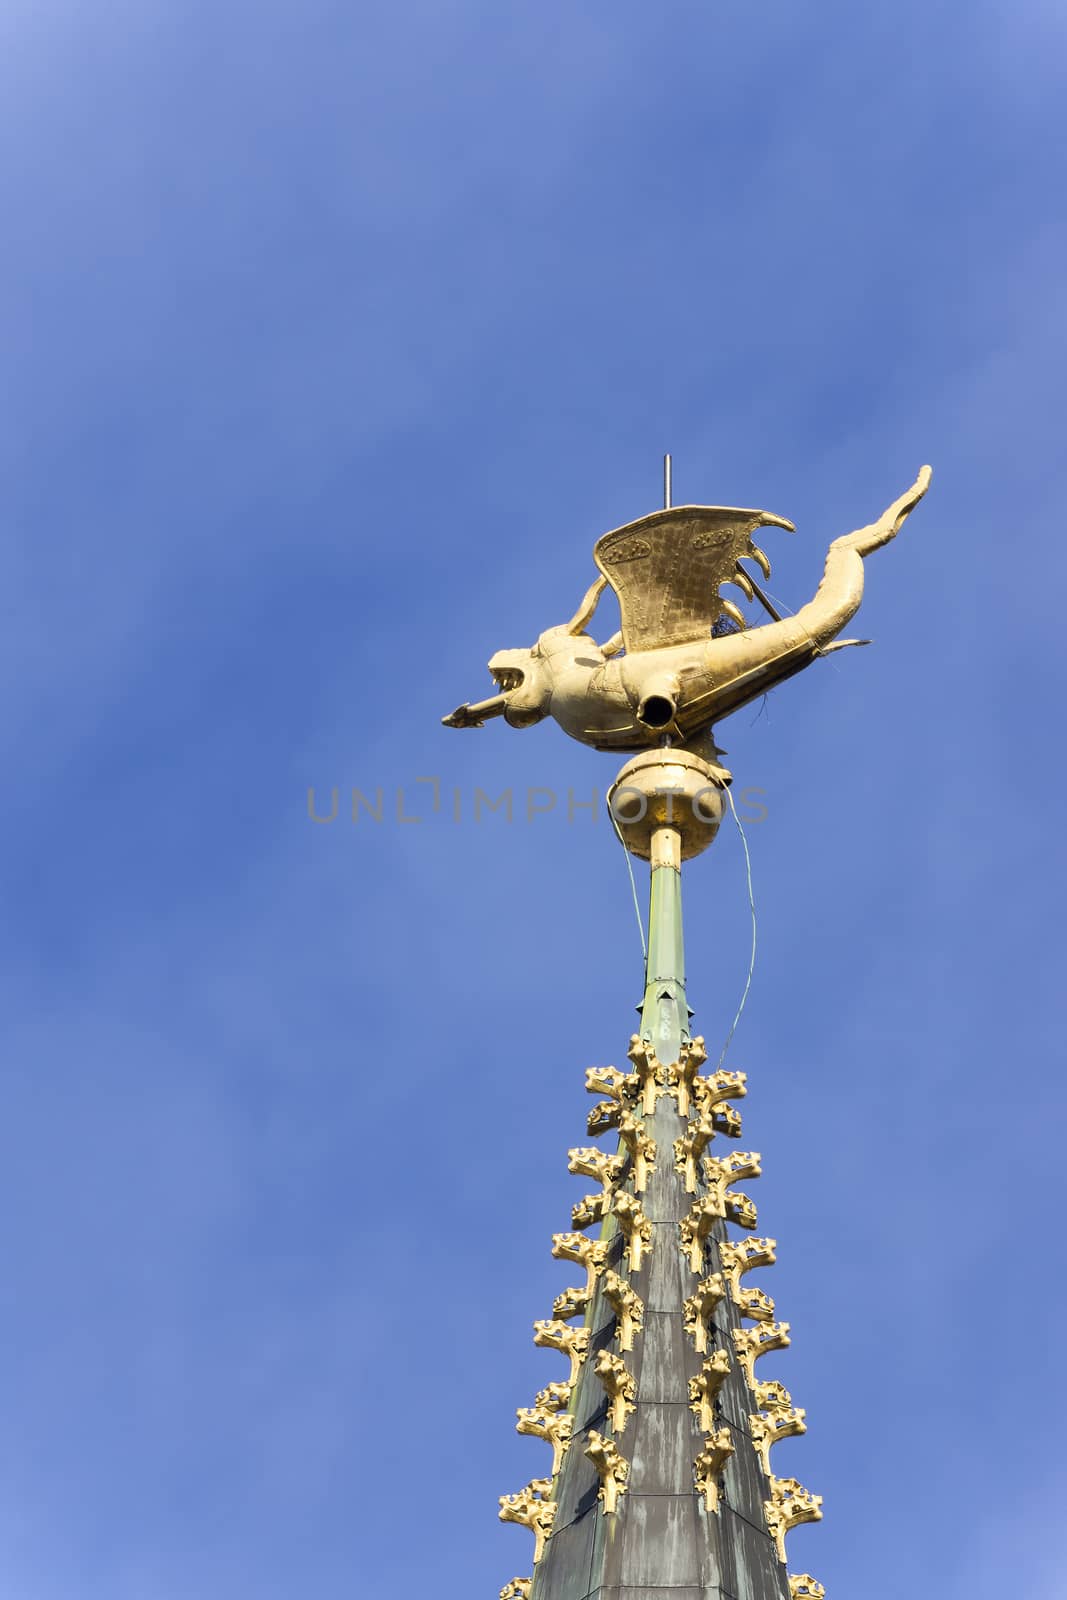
x: 508, y: 678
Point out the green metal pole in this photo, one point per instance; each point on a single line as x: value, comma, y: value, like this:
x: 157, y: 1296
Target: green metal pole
x: 664, y: 1010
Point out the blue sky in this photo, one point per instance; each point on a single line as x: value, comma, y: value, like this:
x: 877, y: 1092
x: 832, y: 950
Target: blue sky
x: 332, y: 338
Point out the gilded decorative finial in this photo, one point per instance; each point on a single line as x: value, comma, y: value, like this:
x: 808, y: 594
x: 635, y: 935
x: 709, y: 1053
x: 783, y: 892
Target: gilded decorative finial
x: 727, y: 1120
x: 531, y: 1508
x: 622, y: 1087
x: 676, y: 676
x: 589, y: 1162
x: 640, y: 1147
x: 770, y: 1395
x: 570, y: 1342
x: 709, y: 1464
x: 620, y: 1386
x: 737, y: 1256
x: 739, y: 1164
x: 755, y: 1304
x: 734, y: 1205
x: 603, y: 1117
x: 646, y: 1071
x: 704, y: 1388
x: 634, y: 1227
x: 591, y: 1209
x: 627, y: 1305
x: 699, y: 1309
x: 588, y: 1253
x: 717, y: 1087
x: 740, y: 1210
x: 640, y: 1053
x: 805, y: 1587
x: 554, y: 1397
x: 517, y: 1589
x: 570, y: 1303
x: 553, y: 1426
x: 751, y: 1343
x: 790, y: 1505
x: 691, y: 1146
x: 666, y: 1078
x: 718, y: 1171
x: 767, y: 1427
x: 692, y: 1058
x: 611, y: 1468
x: 695, y: 1228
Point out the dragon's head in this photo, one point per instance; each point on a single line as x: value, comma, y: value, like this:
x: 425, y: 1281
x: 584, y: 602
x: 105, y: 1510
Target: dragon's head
x: 524, y: 677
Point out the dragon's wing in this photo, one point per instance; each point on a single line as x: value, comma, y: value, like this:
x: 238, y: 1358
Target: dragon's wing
x: 667, y: 569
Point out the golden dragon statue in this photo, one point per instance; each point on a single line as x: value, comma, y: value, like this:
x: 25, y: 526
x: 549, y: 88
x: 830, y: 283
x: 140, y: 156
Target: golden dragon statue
x: 677, y: 667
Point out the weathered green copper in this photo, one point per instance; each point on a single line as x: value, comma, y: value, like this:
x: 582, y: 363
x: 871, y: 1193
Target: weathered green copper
x: 664, y: 1010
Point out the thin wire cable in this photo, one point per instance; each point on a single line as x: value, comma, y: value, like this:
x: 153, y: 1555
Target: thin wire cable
x: 633, y: 885
x: 752, y: 908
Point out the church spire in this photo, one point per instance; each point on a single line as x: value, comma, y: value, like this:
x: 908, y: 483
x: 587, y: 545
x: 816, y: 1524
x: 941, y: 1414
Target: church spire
x: 659, y: 1482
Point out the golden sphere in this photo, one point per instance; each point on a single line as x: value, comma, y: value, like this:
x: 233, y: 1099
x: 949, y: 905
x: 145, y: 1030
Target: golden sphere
x: 667, y: 788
